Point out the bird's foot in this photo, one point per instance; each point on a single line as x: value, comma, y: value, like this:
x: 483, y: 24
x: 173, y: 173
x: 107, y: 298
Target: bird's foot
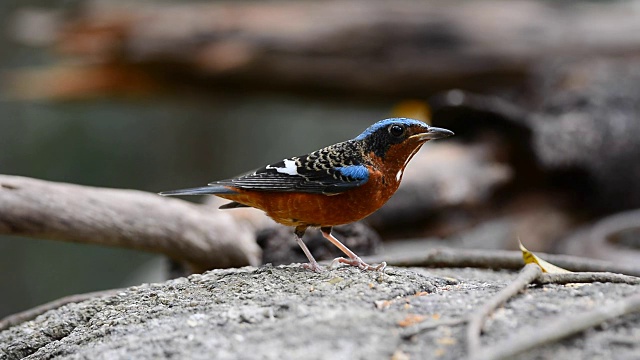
x: 313, y: 266
x: 357, y: 262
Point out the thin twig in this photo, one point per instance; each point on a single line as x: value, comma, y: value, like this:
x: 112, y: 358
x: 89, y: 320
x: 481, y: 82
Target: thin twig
x: 542, y: 279
x: 558, y: 329
x: 586, y: 277
x: 476, y: 321
x: 32, y: 313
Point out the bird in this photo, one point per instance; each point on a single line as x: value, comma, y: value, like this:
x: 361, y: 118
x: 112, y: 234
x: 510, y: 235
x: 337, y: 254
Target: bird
x: 336, y: 185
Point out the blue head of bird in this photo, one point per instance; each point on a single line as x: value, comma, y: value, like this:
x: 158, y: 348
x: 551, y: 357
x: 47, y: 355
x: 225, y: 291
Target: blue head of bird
x: 398, y: 138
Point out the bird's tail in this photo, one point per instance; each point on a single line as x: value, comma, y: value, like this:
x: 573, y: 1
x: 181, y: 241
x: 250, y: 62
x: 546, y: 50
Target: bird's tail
x: 205, y: 190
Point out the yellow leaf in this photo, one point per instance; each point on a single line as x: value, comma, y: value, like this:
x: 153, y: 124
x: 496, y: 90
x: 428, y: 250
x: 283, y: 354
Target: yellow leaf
x: 547, y: 267
x: 414, y: 109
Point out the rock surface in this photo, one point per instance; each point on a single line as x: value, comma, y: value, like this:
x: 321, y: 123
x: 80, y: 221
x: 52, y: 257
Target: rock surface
x: 285, y: 312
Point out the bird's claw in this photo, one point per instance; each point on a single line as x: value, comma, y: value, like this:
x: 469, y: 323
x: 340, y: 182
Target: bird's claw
x: 357, y: 262
x: 313, y: 266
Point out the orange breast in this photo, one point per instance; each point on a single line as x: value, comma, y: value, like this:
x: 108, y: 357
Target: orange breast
x: 293, y: 209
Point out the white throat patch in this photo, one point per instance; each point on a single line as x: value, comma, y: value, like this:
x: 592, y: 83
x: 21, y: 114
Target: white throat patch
x: 406, y: 162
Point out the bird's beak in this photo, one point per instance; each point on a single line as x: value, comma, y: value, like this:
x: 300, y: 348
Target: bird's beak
x: 433, y: 133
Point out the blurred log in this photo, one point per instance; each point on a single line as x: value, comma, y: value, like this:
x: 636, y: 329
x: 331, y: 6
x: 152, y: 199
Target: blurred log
x: 365, y: 47
x: 576, y: 133
x: 191, y: 234
x: 575, y: 138
x: 586, y: 130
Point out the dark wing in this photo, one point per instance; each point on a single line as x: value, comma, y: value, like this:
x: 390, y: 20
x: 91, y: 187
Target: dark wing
x: 318, y: 172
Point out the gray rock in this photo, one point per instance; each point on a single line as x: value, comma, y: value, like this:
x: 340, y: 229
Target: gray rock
x: 286, y: 312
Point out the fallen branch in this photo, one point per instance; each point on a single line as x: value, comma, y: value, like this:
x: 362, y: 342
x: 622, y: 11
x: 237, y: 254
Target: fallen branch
x: 186, y: 232
x: 476, y: 321
x: 496, y: 259
x: 559, y: 329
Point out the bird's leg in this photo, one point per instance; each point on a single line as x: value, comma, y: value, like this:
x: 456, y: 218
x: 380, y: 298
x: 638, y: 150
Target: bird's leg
x: 313, y: 264
x: 353, y: 260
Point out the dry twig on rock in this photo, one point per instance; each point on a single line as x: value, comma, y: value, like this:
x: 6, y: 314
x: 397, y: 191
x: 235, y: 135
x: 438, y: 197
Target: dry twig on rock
x: 558, y: 329
x: 476, y: 321
x: 555, y: 330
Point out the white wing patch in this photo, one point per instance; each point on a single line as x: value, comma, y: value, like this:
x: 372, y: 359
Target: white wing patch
x: 289, y: 168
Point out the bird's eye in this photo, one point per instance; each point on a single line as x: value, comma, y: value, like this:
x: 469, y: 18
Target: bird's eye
x: 396, y: 130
